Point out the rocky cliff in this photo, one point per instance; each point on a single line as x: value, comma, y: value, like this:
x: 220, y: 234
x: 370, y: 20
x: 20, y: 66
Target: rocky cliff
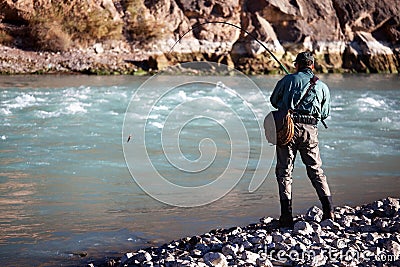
x: 125, y: 36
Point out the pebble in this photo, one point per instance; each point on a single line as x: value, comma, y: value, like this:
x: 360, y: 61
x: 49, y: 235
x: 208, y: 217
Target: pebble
x: 314, y: 214
x: 215, y: 259
x: 250, y: 257
x: 302, y: 228
x: 230, y: 250
x: 370, y: 231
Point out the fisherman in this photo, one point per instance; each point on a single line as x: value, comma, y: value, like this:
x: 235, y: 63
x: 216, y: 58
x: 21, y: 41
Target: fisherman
x: 314, y: 107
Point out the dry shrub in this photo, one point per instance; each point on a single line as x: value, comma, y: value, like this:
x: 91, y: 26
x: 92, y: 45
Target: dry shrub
x: 50, y: 36
x: 5, y: 37
x: 60, y: 24
x: 90, y: 24
x: 141, y: 26
x: 56, y: 27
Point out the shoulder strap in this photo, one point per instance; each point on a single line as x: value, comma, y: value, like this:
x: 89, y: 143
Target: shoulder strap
x: 313, y: 81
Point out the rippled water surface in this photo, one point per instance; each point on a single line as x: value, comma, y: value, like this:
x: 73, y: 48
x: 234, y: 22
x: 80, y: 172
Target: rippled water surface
x: 65, y: 187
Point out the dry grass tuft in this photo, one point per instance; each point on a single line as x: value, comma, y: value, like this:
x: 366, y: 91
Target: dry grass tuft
x: 57, y: 27
x: 5, y: 37
x: 50, y: 36
x: 141, y: 26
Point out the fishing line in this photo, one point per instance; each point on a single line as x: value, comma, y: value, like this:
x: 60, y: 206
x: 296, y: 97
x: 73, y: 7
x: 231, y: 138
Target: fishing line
x: 237, y: 27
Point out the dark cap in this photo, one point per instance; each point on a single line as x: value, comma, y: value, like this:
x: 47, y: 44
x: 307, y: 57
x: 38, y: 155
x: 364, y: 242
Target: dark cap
x: 304, y: 58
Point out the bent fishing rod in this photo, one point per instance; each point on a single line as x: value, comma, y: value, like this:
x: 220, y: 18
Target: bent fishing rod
x: 237, y: 27
x: 245, y: 31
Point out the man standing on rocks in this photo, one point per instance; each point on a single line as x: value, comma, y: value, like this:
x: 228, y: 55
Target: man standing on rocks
x: 314, y: 107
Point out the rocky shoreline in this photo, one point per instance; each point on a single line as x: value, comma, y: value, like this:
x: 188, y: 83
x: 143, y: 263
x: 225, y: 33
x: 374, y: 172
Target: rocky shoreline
x: 120, y: 60
x: 92, y: 60
x: 367, y: 235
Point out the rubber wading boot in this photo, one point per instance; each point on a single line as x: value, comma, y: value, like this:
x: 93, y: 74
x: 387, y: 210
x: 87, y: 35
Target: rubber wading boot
x: 286, y: 219
x: 327, y: 208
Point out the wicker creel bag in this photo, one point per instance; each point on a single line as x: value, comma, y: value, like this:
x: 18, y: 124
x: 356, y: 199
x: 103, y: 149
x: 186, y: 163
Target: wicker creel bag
x: 279, y: 125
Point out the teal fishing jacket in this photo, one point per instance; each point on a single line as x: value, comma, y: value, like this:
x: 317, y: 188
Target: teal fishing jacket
x: 291, y: 88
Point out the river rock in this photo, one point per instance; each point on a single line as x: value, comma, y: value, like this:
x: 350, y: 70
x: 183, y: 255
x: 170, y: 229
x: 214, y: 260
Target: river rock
x: 142, y: 256
x: 203, y: 248
x: 196, y: 253
x: 392, y: 206
x: 234, y: 231
x: 319, y: 260
x: 316, y: 238
x: 314, y: 214
x: 302, y: 228
x: 393, y: 248
x: 346, y: 220
x: 215, y: 259
x: 256, y: 240
x: 147, y: 264
x: 300, y: 247
x: 345, y: 210
x: 249, y: 256
x: 98, y: 48
x: 277, y: 237
x: 263, y: 262
x: 126, y: 257
x: 266, y: 220
x: 330, y: 224
x: 231, y: 250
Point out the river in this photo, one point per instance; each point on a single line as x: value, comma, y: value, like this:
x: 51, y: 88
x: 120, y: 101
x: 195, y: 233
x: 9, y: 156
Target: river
x: 67, y: 187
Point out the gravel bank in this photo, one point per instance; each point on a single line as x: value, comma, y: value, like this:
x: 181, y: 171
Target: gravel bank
x: 93, y: 60
x: 367, y: 235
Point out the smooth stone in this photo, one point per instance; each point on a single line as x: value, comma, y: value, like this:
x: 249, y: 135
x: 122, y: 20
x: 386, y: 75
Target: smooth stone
x: 230, y: 250
x: 215, y: 259
x: 147, y: 264
x: 331, y: 224
x: 316, y: 238
x: 250, y: 256
x: 314, y: 214
x: 316, y: 227
x: 302, y: 228
x: 290, y: 241
x: 300, y: 247
x: 261, y: 262
x: 393, y: 248
x: 142, y: 256
x: 266, y: 220
x: 126, y: 257
x: 277, y: 237
x: 235, y: 230
x: 255, y: 240
x: 247, y: 245
x: 203, y: 248
x: 268, y: 239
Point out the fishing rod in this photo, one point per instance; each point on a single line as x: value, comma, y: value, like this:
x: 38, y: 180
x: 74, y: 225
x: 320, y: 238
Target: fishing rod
x: 237, y: 27
x: 247, y: 32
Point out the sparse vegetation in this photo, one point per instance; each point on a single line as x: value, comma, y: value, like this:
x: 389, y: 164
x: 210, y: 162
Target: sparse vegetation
x: 68, y: 22
x: 50, y: 36
x: 5, y: 37
x: 86, y: 23
x: 141, y: 26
